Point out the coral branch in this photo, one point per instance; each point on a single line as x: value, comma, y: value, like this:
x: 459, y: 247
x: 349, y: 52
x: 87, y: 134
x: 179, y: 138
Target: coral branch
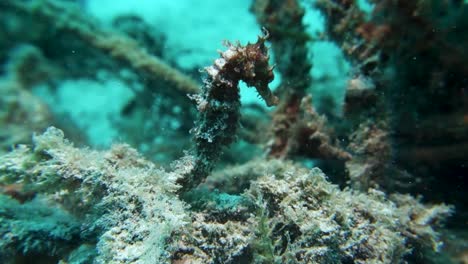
x: 219, y: 103
x: 296, y: 128
x: 282, y: 18
x: 56, y: 16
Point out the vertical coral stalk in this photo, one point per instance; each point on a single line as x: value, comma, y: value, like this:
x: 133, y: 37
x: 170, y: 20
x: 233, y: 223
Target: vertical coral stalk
x: 297, y: 130
x: 219, y: 103
x: 289, y: 44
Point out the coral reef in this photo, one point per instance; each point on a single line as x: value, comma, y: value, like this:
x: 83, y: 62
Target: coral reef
x: 379, y: 182
x: 129, y: 209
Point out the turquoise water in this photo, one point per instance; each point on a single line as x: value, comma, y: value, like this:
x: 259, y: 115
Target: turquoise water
x: 250, y: 131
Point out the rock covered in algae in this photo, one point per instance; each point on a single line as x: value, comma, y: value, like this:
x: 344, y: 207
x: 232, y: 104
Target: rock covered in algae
x: 127, y: 211
x: 294, y: 215
x: 124, y: 205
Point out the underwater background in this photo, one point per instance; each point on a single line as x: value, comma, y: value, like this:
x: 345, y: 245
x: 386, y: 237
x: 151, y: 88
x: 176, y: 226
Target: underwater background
x: 247, y: 131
